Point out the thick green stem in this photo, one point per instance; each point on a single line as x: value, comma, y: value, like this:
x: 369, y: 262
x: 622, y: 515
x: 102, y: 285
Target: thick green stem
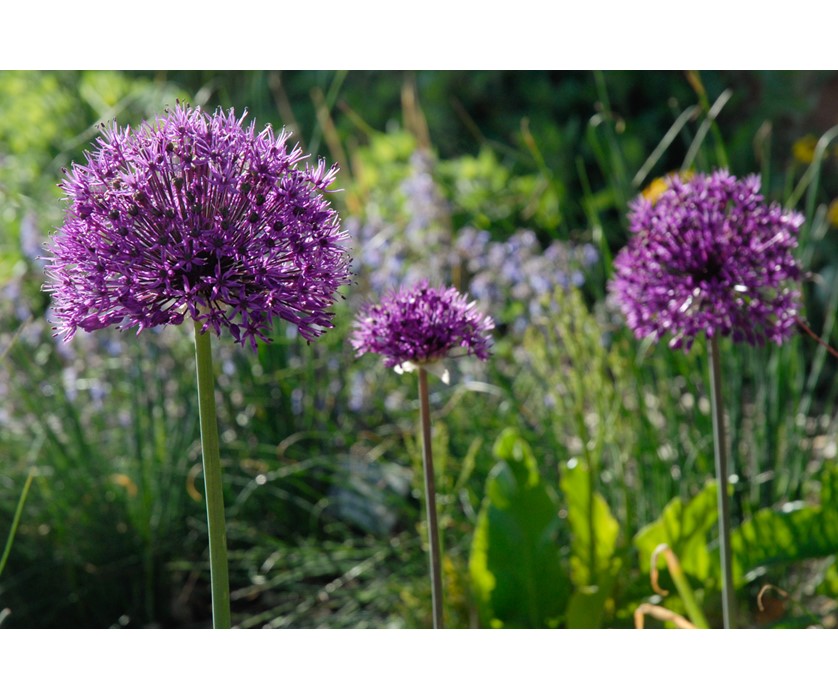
x: 719, y: 438
x: 212, y: 482
x: 430, y: 500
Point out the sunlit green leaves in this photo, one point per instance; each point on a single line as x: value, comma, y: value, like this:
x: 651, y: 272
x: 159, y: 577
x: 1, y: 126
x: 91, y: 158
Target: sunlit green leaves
x: 793, y: 533
x: 47, y: 119
x: 516, y: 567
x: 594, y: 532
x: 685, y: 527
x: 594, y: 529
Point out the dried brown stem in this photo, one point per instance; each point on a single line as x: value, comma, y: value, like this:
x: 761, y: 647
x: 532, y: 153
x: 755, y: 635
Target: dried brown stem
x: 803, y: 325
x: 662, y: 614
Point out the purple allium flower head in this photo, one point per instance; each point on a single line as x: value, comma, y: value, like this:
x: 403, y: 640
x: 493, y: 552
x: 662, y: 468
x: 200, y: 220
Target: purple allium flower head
x: 709, y: 255
x: 421, y: 324
x: 196, y: 215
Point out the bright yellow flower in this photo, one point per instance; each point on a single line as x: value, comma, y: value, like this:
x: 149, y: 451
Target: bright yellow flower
x: 125, y: 482
x: 661, y: 184
x: 832, y: 213
x: 803, y: 149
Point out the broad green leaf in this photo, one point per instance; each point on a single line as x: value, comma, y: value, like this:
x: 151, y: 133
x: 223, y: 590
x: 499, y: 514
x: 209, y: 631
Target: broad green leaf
x: 587, y: 605
x: 829, y: 487
x: 794, y: 533
x: 685, y: 528
x: 593, y: 561
x: 515, y: 565
x: 594, y: 529
x: 776, y: 537
x: 828, y: 585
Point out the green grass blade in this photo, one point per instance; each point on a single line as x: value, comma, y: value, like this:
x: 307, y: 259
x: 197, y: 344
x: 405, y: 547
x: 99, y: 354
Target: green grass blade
x: 16, y: 519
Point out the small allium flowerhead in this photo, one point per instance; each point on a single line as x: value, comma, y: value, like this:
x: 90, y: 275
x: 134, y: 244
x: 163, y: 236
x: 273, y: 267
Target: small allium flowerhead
x: 420, y: 325
x: 196, y: 215
x: 709, y: 255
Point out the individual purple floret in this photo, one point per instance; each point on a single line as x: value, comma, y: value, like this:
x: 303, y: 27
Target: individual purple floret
x: 422, y: 324
x: 709, y: 255
x: 196, y: 215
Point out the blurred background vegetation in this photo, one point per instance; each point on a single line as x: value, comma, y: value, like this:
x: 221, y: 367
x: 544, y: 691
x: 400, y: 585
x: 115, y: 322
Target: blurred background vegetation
x: 575, y: 443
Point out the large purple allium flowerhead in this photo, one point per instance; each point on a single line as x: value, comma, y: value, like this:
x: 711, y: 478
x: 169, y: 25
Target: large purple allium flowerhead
x: 420, y: 325
x: 196, y: 215
x: 709, y: 255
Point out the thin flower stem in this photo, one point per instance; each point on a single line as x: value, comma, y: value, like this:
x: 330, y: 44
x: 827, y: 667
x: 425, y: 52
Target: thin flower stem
x: 430, y: 500
x: 719, y: 438
x: 212, y: 482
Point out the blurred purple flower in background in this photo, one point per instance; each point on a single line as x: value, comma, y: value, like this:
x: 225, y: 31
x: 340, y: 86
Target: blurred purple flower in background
x: 195, y: 215
x: 428, y: 212
x: 399, y: 249
x: 518, y: 270
x: 422, y: 324
x: 709, y: 256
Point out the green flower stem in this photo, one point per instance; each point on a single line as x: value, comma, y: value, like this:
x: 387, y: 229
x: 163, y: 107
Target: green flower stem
x: 212, y: 482
x: 430, y: 500
x: 719, y: 438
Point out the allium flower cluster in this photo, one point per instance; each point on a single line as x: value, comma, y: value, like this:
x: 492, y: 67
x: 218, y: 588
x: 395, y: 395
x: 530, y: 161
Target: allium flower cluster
x: 422, y: 324
x: 196, y: 215
x: 709, y: 255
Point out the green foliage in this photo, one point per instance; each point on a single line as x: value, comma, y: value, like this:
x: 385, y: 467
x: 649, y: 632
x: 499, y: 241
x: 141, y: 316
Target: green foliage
x: 794, y: 533
x: 380, y: 167
x: 594, y: 564
x: 321, y: 465
x: 516, y: 567
x: 16, y: 520
x: 488, y: 195
x: 762, y: 547
x: 46, y: 120
x: 117, y: 477
x: 686, y: 528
